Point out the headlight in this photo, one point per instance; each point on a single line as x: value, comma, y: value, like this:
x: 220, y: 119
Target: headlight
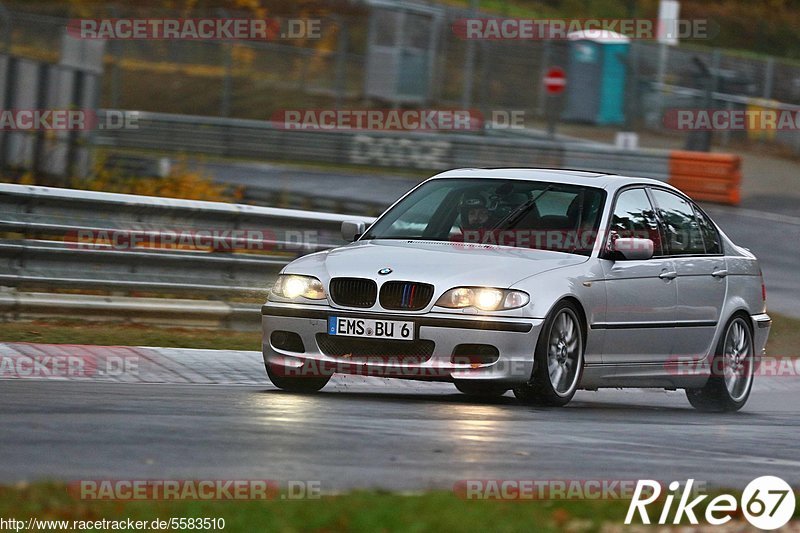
x: 484, y: 298
x: 292, y: 286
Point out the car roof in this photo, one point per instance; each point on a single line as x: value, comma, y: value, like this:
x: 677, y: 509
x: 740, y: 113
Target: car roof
x: 602, y: 180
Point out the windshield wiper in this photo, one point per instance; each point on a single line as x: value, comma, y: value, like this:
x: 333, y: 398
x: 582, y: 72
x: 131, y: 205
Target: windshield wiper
x: 515, y: 216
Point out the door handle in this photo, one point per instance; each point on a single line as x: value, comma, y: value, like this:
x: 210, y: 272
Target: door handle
x: 668, y: 275
x: 720, y: 273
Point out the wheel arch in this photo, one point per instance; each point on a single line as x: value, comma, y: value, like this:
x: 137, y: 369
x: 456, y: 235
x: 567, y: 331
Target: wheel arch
x: 581, y: 315
x: 574, y: 300
x: 740, y: 311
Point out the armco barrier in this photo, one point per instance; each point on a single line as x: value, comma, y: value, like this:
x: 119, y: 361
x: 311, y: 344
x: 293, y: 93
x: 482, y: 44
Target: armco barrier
x: 163, y: 133
x: 41, y: 249
x: 706, y: 176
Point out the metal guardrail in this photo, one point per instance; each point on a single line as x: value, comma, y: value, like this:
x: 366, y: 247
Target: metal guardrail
x: 16, y: 305
x: 238, y: 138
x: 62, y: 231
x: 74, y: 266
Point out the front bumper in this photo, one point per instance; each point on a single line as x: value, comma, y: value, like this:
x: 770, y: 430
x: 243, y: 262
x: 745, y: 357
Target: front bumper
x: 515, y: 340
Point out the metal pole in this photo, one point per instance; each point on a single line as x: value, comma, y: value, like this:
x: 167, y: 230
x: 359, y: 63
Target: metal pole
x: 225, y: 106
x: 469, y: 63
x: 10, y: 84
x: 546, y: 57
x: 341, y: 63
x: 73, y: 137
x: 5, y: 16
x: 441, y: 64
x: 716, y: 61
x: 41, y: 102
x: 552, y: 112
x: 484, y: 74
x: 769, y: 77
x: 116, y: 55
x: 632, y: 104
x: 663, y: 57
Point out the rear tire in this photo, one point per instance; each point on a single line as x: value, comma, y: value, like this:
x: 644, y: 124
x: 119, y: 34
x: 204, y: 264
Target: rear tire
x: 732, y: 368
x: 558, y: 359
x: 481, y: 390
x: 301, y: 384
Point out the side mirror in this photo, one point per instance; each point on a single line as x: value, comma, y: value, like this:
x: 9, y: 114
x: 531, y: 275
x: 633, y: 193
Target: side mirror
x: 633, y: 249
x: 352, y: 230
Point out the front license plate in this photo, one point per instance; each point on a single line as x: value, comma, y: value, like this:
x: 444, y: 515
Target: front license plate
x: 366, y: 327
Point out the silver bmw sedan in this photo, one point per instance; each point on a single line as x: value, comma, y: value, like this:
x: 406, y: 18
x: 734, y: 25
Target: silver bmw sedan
x: 533, y: 280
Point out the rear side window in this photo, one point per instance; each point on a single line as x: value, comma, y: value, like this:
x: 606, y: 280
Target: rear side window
x: 634, y: 217
x: 681, y: 230
x: 709, y: 231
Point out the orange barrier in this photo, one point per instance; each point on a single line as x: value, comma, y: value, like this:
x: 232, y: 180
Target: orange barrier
x: 707, y: 177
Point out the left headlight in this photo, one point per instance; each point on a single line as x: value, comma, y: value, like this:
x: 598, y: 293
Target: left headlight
x: 484, y: 298
x: 292, y: 286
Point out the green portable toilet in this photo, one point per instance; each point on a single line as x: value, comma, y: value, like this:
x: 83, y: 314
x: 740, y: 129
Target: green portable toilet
x: 596, y: 77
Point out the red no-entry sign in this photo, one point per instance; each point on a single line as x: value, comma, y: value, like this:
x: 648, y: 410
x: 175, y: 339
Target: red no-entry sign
x: 555, y: 80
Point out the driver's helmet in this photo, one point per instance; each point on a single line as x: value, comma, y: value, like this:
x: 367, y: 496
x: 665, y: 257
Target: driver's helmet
x: 474, y: 212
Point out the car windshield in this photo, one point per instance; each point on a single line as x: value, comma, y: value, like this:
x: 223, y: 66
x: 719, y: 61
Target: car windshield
x: 528, y: 214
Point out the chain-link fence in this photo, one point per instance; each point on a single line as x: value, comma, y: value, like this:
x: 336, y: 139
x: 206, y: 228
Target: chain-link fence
x: 248, y: 79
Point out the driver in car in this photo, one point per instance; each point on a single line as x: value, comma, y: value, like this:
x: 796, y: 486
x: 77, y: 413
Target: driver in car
x: 475, y: 219
x: 474, y: 213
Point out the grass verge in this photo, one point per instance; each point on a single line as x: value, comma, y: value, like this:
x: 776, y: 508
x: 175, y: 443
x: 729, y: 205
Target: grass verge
x: 354, y: 511
x: 118, y: 334
x: 784, y: 338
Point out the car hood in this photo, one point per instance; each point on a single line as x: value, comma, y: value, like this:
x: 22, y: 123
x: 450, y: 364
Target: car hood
x: 443, y: 264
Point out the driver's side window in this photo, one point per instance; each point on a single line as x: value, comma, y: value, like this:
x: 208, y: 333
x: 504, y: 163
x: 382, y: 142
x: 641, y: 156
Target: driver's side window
x: 634, y: 217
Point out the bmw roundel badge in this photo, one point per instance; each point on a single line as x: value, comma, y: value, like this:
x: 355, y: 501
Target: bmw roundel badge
x: 385, y: 271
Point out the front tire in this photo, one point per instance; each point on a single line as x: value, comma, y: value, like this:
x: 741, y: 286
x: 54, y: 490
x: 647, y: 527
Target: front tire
x: 558, y: 360
x: 301, y: 384
x: 732, y: 369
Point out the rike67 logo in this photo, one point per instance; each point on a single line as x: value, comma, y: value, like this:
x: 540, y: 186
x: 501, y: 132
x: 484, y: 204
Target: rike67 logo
x: 767, y: 503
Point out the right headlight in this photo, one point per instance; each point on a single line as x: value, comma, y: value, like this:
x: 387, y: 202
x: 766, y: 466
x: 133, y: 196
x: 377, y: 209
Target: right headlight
x: 483, y: 298
x: 292, y: 286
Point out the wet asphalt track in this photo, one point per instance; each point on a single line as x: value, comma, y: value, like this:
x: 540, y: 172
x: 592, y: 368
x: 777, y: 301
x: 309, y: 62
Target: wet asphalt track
x: 369, y: 432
